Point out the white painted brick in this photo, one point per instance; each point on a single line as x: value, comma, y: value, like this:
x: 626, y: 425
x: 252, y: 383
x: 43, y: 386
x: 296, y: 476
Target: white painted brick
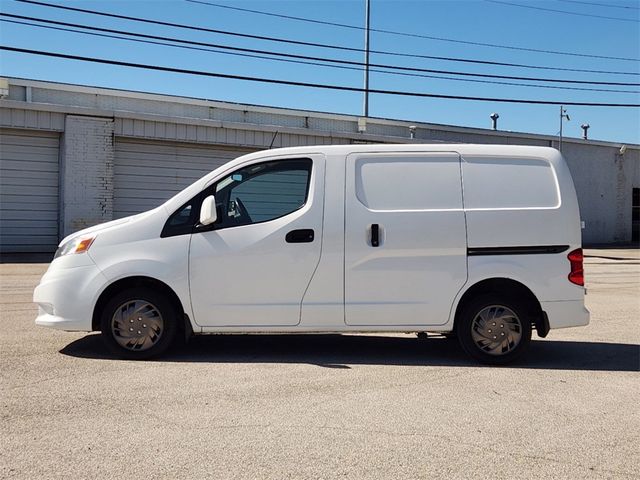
x: 87, y: 172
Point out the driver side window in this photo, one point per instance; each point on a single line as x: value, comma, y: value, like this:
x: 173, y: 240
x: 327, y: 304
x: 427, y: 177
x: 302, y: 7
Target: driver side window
x: 262, y: 192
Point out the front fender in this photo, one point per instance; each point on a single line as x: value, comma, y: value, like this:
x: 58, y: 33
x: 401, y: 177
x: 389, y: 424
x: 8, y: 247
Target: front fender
x: 163, y: 259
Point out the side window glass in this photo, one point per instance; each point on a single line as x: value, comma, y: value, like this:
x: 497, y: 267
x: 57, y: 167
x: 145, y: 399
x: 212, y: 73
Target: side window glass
x: 180, y: 222
x: 181, y: 217
x: 262, y: 192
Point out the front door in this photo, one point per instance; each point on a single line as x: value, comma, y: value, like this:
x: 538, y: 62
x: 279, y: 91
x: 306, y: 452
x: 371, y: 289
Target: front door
x: 405, y: 238
x: 253, y: 268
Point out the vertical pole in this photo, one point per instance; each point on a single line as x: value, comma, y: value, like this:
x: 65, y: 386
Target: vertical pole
x: 561, y: 121
x: 366, y: 58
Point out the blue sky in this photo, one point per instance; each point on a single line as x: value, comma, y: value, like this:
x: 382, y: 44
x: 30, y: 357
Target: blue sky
x: 477, y: 21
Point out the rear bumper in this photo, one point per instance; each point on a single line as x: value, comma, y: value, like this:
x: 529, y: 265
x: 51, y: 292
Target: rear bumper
x: 563, y: 314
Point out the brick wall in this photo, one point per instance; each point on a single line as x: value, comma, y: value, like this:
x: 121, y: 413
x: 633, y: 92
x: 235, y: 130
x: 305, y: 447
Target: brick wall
x: 87, y: 172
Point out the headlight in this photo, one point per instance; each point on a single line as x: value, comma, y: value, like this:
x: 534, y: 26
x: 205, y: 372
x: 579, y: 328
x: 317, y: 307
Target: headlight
x: 75, y: 245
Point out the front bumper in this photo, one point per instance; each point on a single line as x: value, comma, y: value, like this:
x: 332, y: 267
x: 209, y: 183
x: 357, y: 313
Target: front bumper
x: 59, y: 323
x: 66, y: 296
x: 563, y: 314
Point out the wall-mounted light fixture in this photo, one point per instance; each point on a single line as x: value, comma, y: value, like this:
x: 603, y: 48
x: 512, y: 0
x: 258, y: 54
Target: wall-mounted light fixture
x: 4, y: 87
x: 362, y: 125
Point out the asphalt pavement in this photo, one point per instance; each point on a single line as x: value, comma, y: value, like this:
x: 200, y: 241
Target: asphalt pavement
x: 325, y: 406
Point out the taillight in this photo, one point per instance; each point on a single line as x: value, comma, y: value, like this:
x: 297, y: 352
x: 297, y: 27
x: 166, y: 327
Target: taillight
x: 577, y: 271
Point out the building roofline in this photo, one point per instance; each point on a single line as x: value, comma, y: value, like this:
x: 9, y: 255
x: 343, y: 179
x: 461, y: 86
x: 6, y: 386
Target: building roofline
x: 135, y: 94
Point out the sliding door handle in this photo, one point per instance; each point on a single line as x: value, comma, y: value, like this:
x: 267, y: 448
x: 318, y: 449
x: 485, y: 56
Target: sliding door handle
x: 375, y: 235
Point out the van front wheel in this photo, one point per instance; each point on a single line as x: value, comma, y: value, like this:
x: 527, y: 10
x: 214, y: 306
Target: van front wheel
x: 138, y: 323
x: 494, y: 329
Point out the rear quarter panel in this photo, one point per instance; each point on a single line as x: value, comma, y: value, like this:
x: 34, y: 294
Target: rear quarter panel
x: 539, y: 220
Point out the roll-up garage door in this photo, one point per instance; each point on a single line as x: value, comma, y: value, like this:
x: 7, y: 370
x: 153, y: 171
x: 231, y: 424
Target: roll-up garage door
x: 28, y: 191
x: 146, y: 173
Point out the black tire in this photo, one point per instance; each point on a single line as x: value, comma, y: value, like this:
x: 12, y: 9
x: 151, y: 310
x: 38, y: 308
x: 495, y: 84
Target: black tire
x: 158, y: 310
x: 515, y: 329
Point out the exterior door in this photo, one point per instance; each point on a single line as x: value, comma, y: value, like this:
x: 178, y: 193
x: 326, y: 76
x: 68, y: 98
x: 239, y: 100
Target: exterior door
x: 405, y: 238
x: 148, y: 172
x: 253, y: 268
x: 28, y: 191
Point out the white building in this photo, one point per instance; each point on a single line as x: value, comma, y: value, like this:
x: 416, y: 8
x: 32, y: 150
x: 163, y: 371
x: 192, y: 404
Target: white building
x: 73, y: 156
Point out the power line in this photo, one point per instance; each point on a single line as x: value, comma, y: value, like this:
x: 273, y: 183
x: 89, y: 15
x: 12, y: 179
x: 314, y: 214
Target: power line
x: 404, y: 34
x: 264, y: 57
x: 287, y: 17
x: 320, y: 59
x: 352, y: 49
x: 305, y: 84
x: 532, y: 7
x: 311, y: 44
x: 630, y: 7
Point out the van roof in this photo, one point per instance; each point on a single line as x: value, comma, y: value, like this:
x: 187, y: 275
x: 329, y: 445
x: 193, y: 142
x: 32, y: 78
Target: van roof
x: 461, y: 148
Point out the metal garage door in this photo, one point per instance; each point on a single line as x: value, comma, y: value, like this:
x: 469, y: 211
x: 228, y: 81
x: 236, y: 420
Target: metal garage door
x: 146, y: 173
x: 28, y: 191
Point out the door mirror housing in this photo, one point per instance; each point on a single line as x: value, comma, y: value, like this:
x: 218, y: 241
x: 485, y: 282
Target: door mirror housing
x: 208, y: 213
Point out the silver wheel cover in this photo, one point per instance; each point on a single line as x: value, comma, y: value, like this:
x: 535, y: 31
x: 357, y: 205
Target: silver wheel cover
x: 496, y: 330
x: 137, y: 325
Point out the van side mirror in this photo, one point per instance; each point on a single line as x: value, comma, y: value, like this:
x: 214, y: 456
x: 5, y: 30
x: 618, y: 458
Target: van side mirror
x: 208, y: 213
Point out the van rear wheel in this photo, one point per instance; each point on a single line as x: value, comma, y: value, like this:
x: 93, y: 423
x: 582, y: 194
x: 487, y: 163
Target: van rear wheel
x: 138, y: 324
x: 494, y: 329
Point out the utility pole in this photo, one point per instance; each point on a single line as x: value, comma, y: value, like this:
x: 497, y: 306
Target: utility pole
x: 563, y: 115
x: 366, y: 58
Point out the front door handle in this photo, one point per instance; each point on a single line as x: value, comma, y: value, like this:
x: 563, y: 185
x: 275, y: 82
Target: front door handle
x: 304, y: 235
x: 375, y: 235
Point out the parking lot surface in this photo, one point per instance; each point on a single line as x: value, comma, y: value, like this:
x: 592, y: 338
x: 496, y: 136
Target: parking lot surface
x: 325, y: 406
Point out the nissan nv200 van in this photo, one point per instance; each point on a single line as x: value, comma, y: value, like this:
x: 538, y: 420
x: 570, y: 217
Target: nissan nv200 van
x: 480, y: 242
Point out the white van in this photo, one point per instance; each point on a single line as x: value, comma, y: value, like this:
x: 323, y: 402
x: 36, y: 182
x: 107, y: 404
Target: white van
x: 481, y: 242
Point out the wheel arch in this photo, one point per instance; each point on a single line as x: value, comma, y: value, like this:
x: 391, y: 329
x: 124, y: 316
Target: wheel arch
x: 140, y: 281
x: 512, y: 288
